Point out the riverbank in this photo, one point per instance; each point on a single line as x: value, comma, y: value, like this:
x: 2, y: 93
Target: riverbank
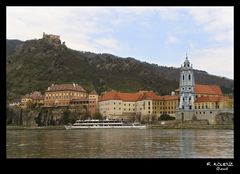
x: 61, y: 127
x: 184, y: 126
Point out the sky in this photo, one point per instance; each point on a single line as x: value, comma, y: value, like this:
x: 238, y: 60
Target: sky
x: 158, y: 35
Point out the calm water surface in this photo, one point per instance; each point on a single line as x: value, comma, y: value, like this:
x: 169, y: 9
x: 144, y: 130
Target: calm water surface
x: 120, y: 143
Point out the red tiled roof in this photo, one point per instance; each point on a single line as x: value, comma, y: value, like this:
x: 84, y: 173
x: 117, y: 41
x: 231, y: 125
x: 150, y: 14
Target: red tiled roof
x: 128, y: 96
x: 66, y: 87
x: 108, y: 96
x: 208, y: 89
x: 211, y: 99
x: 150, y: 95
x: 113, y: 95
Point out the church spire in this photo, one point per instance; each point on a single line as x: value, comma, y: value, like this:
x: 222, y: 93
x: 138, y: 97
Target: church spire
x: 186, y: 62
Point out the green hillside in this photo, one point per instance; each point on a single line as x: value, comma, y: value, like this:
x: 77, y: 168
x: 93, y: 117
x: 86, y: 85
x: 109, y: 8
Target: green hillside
x: 36, y: 64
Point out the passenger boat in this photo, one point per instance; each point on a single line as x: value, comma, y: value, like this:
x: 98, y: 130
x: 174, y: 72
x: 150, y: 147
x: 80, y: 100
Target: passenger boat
x: 83, y: 124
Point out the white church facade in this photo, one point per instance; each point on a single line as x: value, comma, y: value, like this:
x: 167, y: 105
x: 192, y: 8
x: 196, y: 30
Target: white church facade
x: 199, y: 102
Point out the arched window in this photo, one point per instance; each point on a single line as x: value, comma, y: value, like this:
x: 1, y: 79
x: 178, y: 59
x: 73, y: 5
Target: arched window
x: 183, y: 76
x: 189, y: 77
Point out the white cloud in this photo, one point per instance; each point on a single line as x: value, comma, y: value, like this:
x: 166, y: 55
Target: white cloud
x: 223, y: 36
x: 172, y: 40
x: 108, y: 43
x: 78, y: 27
x: 215, y: 60
x: 215, y: 20
x: 170, y: 13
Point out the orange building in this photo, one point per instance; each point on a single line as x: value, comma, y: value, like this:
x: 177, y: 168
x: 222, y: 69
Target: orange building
x: 93, y: 102
x: 62, y: 94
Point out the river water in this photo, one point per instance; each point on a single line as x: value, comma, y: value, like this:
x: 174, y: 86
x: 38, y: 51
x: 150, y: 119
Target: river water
x: 120, y: 143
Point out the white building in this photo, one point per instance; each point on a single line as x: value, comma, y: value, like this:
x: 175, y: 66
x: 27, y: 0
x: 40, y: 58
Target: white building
x: 187, y: 84
x: 113, y: 104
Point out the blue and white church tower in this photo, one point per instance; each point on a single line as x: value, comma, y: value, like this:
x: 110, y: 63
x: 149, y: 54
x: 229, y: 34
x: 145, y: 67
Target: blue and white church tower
x: 187, y: 84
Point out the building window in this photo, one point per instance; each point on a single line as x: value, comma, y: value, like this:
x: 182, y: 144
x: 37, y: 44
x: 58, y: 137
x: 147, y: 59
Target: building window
x: 114, y: 108
x: 210, y: 112
x: 148, y: 107
x: 189, y: 77
x: 148, y: 103
x: 206, y: 106
x: 189, y: 98
x: 183, y: 76
x: 196, y: 112
x: 190, y: 107
x: 195, y: 107
x: 149, y: 112
x: 203, y: 112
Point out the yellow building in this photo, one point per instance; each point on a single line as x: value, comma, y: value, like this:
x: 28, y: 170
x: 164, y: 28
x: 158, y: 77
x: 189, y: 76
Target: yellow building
x: 210, y: 97
x: 32, y: 98
x: 211, y: 102
x: 165, y: 104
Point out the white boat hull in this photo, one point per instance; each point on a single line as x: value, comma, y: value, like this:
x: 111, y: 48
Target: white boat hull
x: 105, y: 127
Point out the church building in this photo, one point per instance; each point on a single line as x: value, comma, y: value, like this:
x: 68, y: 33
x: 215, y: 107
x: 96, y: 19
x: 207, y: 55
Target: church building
x: 197, y: 101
